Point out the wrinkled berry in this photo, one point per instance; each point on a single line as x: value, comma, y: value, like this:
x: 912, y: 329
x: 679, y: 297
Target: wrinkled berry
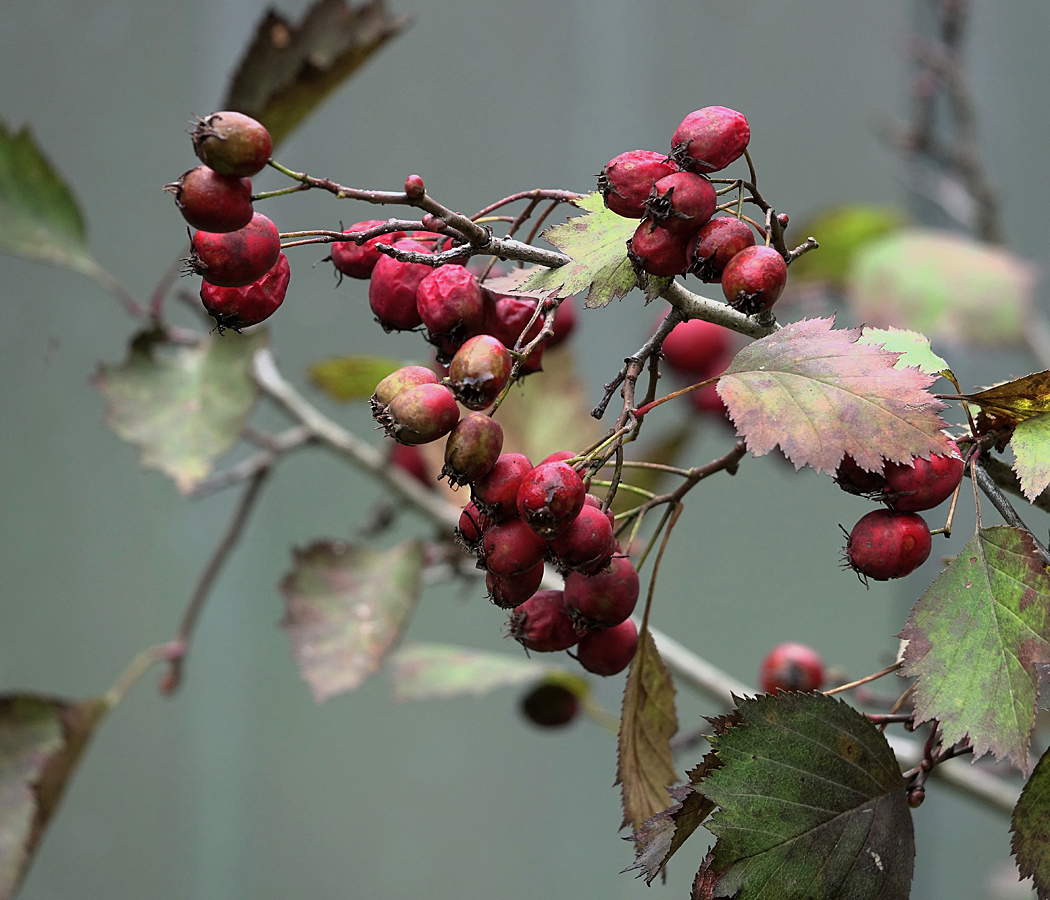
x: 358, y: 260
x: 681, y: 202
x: 392, y: 290
x: 657, y: 250
x: 627, y: 180
x: 715, y: 244
x: 710, y: 139
x: 236, y: 258
x: 450, y: 303
x: 542, y: 623
x: 239, y: 307
x: 510, y: 591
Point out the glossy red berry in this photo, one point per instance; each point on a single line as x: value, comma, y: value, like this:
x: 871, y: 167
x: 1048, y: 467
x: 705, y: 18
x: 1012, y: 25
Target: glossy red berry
x: 479, y: 371
x: 710, y: 139
x: 603, y: 599
x: 511, y: 547
x: 472, y: 449
x: 496, y: 494
x: 924, y: 484
x: 398, y: 382
x: 510, y: 591
x: 791, y: 667
x: 681, y: 202
x: 657, y: 250
x: 550, y: 706
x: 608, y: 651
x: 715, y: 244
x: 694, y: 346
x: 236, y: 258
x: 754, y: 279
x: 886, y: 544
x: 414, y: 187
x: 854, y: 480
x: 420, y: 415
x: 232, y: 143
x: 627, y: 180
x: 587, y: 544
x: 542, y: 623
x: 358, y: 260
x: 213, y: 202
x: 550, y: 497
x: 450, y: 303
x: 239, y: 307
x: 392, y: 290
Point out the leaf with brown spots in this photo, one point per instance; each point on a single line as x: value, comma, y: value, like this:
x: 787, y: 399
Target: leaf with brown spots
x: 1015, y: 401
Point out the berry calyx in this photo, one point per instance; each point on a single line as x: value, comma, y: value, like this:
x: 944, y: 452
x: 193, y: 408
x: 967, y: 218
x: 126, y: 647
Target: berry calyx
x: 791, y: 667
x: 681, y: 202
x: 710, y: 139
x: 715, y: 244
x: 550, y: 706
x: 550, y: 497
x: 420, y: 415
x: 450, y: 303
x: 358, y: 260
x: 239, y: 307
x: 236, y: 258
x: 924, y: 484
x: 542, y: 623
x: 472, y: 449
x: 627, y: 180
x: 754, y: 279
x: 886, y: 544
x: 211, y: 201
x: 608, y: 651
x: 232, y: 143
x: 479, y: 371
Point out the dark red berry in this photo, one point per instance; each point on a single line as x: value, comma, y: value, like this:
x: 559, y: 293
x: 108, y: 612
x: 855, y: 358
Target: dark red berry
x: 606, y: 598
x: 608, y: 651
x: 557, y: 456
x: 239, y: 307
x: 587, y: 544
x: 513, y: 590
x: 886, y: 544
x: 550, y: 497
x: 472, y: 525
x: 753, y: 280
x: 694, y: 346
x: 392, y: 290
x: 657, y: 250
x: 791, y: 667
x: 596, y: 502
x: 414, y: 187
x: 924, y: 484
x: 542, y: 623
x: 855, y: 480
x: 358, y: 260
x: 496, y: 494
x: 409, y: 459
x: 420, y: 415
x: 472, y: 449
x: 398, y: 382
x: 627, y: 180
x: 232, y: 143
x: 511, y: 547
x: 236, y: 258
x: 213, y: 202
x: 450, y: 303
x: 506, y: 318
x: 550, y: 706
x: 479, y: 371
x: 710, y: 139
x: 715, y: 244
x: 681, y: 202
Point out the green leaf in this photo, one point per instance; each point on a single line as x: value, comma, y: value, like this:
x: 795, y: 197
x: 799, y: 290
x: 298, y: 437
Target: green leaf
x: 289, y: 69
x: 818, y: 393
x: 914, y: 349
x: 947, y: 286
x: 811, y: 804
x: 39, y: 216
x: 1031, y: 446
x: 597, y: 244
x: 183, y: 406
x: 441, y: 671
x: 347, y: 607
x: 41, y: 742
x: 975, y: 640
x: 1030, y: 825
x: 645, y: 767
x: 351, y: 377
x: 842, y: 233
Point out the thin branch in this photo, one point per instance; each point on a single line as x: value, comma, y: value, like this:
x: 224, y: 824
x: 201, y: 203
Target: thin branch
x: 1009, y: 514
x: 248, y: 468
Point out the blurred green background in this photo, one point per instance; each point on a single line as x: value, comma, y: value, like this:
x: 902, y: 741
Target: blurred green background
x: 242, y: 787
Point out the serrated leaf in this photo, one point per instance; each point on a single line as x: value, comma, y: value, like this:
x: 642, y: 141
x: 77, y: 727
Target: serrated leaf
x: 944, y: 285
x: 289, y: 69
x: 811, y: 804
x: 1030, y: 826
x: 349, y: 378
x: 914, y: 349
x: 597, y: 244
x: 440, y: 671
x: 819, y: 394
x: 1014, y: 401
x: 42, y: 739
x: 645, y: 766
x: 842, y: 232
x: 1031, y: 446
x: 39, y: 216
x: 975, y: 639
x: 347, y: 607
x: 183, y: 406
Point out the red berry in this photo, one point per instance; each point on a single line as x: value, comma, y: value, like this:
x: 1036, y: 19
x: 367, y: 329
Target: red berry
x: 550, y: 706
x: 693, y: 346
x: 472, y: 525
x: 681, y: 202
x: 924, y: 484
x: 603, y: 599
x: 886, y: 544
x: 510, y: 547
x: 608, y: 651
x: 587, y: 544
x: 513, y: 590
x: 496, y: 494
x: 414, y: 187
x: 550, y: 497
x: 715, y: 244
x: 791, y: 667
x: 409, y: 459
x: 542, y: 623
x: 596, y: 502
x: 236, y: 258
x: 398, y: 382
x: 627, y: 180
x: 506, y: 318
x: 232, y: 143
x: 855, y: 480
x: 710, y: 139
x: 239, y: 307
x: 358, y: 260
x: 557, y: 456
x: 450, y: 302
x: 472, y: 449
x: 392, y: 290
x: 420, y: 415
x: 479, y: 371
x: 753, y: 280
x: 657, y: 250
x: 213, y: 202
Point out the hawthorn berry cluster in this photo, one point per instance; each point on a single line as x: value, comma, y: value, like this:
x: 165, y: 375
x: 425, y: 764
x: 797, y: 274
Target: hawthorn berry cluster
x: 676, y: 202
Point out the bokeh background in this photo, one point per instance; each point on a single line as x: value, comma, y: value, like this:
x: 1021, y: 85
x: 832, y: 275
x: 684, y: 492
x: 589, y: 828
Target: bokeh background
x: 241, y: 786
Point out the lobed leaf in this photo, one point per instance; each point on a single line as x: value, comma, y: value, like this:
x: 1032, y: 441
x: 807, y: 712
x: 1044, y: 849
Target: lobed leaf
x: 347, y: 607
x: 818, y: 393
x: 597, y: 244
x: 42, y: 739
x: 1030, y: 825
x: 976, y: 640
x: 914, y: 349
x: 289, y: 69
x: 1031, y: 446
x: 645, y: 766
x: 183, y: 406
x: 349, y: 378
x: 811, y: 805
